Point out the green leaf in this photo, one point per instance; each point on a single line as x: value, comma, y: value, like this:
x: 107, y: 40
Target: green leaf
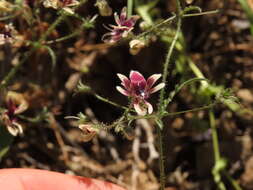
x: 144, y: 11
x: 159, y: 123
x: 248, y: 11
x: 52, y: 55
x: 5, y: 141
x: 192, y: 9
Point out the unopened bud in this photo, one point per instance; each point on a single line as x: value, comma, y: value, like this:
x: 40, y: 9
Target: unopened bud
x: 144, y: 25
x: 189, y: 1
x: 104, y: 8
x: 136, y: 46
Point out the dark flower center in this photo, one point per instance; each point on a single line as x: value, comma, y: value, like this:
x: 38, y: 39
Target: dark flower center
x: 7, y: 34
x: 11, y: 110
x: 66, y: 2
x: 140, y: 92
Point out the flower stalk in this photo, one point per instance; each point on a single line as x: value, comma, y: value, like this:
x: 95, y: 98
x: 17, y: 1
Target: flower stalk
x: 129, y: 8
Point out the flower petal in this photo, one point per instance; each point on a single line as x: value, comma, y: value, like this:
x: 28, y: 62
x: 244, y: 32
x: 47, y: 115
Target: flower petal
x: 139, y: 109
x: 156, y: 88
x: 122, y: 91
x: 15, y: 128
x: 152, y: 79
x: 131, y: 21
x: 149, y: 106
x: 125, y: 81
x: 135, y: 76
x: 123, y: 15
x: 116, y: 18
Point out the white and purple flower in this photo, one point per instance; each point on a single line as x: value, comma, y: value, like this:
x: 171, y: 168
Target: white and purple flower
x: 139, y: 89
x: 122, y: 29
x: 15, y: 104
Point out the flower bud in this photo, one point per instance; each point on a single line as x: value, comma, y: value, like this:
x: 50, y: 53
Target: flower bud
x: 135, y: 46
x: 104, y: 8
x: 144, y: 25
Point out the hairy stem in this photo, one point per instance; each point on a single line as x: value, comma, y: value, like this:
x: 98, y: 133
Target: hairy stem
x: 217, y: 159
x: 167, y: 62
x: 214, y: 137
x: 202, y: 13
x: 129, y: 8
x: 233, y: 182
x: 110, y: 102
x: 161, y: 156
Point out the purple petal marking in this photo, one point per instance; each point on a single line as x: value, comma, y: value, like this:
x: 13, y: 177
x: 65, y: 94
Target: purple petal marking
x: 135, y: 76
x: 152, y: 79
x: 123, y: 15
x: 129, y: 23
x: 122, y: 91
x: 156, y: 88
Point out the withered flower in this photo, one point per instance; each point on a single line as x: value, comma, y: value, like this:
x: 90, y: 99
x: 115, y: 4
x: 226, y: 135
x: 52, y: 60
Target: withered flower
x: 88, y: 131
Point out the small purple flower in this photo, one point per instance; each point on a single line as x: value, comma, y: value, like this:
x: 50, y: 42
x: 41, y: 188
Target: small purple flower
x: 139, y: 89
x: 122, y: 29
x: 15, y: 104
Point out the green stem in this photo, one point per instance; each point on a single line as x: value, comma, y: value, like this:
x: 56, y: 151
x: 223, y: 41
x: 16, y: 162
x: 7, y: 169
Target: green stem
x: 64, y: 37
x: 52, y: 27
x: 157, y: 26
x: 168, y: 59
x: 202, y: 13
x: 232, y: 181
x: 191, y: 110
x: 129, y: 8
x: 110, y: 102
x: 161, y: 151
x: 14, y: 70
x: 217, y: 159
x: 214, y: 137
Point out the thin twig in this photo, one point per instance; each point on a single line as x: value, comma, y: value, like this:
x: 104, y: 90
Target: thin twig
x: 202, y: 13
